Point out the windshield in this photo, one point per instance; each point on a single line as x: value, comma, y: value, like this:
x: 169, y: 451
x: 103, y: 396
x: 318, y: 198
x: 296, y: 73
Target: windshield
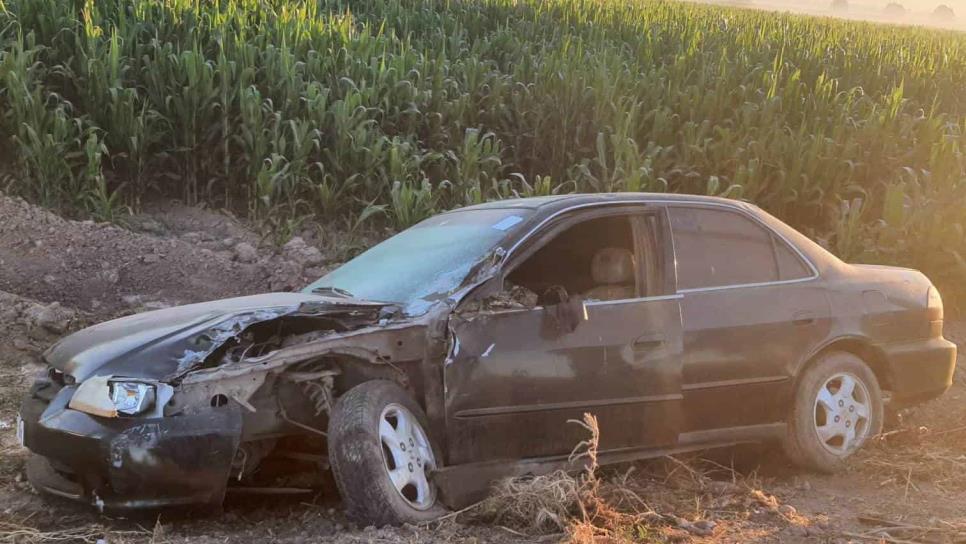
x: 423, y: 263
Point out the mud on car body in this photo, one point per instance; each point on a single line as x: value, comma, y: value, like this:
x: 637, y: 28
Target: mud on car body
x: 455, y: 352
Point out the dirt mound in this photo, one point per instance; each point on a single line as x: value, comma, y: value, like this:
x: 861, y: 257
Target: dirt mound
x: 29, y: 326
x: 106, y: 269
x: 165, y: 218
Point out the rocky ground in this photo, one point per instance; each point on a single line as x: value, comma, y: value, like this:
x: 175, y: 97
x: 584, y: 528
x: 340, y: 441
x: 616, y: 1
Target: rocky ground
x: 58, y: 275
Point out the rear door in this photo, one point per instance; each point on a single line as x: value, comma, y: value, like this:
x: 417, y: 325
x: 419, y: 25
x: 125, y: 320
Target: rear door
x: 751, y: 308
x: 512, y: 384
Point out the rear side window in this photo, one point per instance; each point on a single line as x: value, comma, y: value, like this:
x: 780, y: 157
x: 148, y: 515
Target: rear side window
x: 790, y: 265
x: 718, y: 248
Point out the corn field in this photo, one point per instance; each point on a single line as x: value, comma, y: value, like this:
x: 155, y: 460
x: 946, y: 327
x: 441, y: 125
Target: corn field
x: 331, y: 109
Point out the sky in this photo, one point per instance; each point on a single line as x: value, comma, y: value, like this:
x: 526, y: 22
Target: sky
x: 919, y: 12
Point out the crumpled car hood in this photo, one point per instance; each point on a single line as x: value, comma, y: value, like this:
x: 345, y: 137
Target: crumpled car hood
x: 163, y: 344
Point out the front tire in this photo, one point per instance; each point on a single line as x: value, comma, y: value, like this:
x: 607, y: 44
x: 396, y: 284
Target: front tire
x: 381, y: 456
x: 837, y: 408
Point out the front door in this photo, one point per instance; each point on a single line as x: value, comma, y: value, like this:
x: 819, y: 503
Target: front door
x: 515, y: 378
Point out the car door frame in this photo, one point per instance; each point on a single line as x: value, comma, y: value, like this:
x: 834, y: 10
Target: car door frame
x: 552, y: 226
x: 538, y: 237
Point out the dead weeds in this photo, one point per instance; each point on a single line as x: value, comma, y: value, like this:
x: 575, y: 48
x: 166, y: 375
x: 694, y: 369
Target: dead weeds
x: 884, y: 530
x: 666, y: 500
x: 928, y: 449
x: 21, y: 533
x: 541, y: 505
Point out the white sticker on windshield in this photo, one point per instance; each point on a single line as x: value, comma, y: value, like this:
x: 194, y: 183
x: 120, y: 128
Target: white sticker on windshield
x: 507, y: 222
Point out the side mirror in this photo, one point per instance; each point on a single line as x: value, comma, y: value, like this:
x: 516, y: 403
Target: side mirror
x: 562, y: 313
x: 553, y: 296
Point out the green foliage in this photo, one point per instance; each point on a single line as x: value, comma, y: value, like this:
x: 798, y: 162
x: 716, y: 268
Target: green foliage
x: 397, y: 109
x: 410, y: 202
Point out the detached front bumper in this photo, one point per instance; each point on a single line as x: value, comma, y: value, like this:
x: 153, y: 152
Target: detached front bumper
x: 920, y: 371
x: 124, y: 463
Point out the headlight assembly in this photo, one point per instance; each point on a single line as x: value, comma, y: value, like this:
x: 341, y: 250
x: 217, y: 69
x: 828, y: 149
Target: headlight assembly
x: 109, y: 397
x: 131, y: 398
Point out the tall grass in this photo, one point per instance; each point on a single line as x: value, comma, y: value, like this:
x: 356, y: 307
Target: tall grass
x: 289, y: 108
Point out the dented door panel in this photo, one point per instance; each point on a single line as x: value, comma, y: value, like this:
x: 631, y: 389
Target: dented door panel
x: 512, y: 384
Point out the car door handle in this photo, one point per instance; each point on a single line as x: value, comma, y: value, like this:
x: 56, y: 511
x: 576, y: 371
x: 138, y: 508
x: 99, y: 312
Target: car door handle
x: 649, y: 341
x: 803, y: 318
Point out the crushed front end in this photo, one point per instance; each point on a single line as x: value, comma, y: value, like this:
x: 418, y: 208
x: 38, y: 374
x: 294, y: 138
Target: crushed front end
x: 165, y: 408
x: 127, y: 462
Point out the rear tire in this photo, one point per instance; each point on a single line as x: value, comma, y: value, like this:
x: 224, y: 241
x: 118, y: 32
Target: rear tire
x: 837, y: 408
x: 381, y: 456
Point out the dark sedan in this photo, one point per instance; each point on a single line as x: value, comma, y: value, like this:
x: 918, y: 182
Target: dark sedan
x: 455, y: 352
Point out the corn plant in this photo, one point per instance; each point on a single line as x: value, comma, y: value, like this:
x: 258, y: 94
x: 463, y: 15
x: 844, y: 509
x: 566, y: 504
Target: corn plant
x: 411, y: 202
x: 391, y: 110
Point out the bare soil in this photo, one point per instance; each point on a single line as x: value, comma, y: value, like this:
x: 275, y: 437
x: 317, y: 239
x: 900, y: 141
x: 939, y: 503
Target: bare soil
x: 58, y: 275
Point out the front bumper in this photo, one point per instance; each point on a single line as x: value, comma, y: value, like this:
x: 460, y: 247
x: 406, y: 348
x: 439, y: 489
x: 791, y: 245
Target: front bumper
x: 920, y: 371
x: 124, y: 463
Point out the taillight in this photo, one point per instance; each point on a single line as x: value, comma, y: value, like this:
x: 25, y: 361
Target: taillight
x: 934, y: 308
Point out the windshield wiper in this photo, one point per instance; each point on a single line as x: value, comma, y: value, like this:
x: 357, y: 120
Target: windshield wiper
x: 330, y: 290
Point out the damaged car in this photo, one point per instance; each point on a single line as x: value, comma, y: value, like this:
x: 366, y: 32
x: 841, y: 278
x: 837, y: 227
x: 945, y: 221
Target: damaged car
x: 456, y: 352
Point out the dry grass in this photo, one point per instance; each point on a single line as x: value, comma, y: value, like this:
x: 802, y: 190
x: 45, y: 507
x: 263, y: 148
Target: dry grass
x: 912, y: 456
x: 535, y: 506
x: 930, y: 444
x: 666, y: 500
x: 22, y: 533
x: 599, y: 520
x: 924, y: 456
x: 883, y: 530
x: 563, y: 503
x: 16, y: 533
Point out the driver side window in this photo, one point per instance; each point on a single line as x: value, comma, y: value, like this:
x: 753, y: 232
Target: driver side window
x: 593, y: 259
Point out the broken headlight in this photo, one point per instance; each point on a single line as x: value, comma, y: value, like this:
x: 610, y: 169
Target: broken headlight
x: 106, y: 397
x: 132, y: 397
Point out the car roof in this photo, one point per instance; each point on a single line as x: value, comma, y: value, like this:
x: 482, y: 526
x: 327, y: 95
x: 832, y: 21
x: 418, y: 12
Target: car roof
x: 546, y: 206
x: 553, y: 203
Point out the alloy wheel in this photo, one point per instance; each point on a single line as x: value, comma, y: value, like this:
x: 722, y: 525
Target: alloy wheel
x: 842, y: 409
x: 408, y: 456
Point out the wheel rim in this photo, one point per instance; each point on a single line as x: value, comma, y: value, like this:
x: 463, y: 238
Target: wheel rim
x: 842, y: 412
x: 407, y: 455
